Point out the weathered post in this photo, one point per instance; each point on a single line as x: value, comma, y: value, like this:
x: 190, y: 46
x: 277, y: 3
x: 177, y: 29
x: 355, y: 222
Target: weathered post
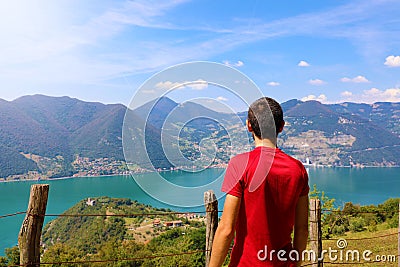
x: 211, y: 205
x: 315, y: 231
x: 31, y: 229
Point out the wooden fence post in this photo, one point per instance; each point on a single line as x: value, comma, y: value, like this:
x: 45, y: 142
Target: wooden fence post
x: 398, y: 241
x: 31, y: 229
x: 315, y: 231
x: 211, y: 205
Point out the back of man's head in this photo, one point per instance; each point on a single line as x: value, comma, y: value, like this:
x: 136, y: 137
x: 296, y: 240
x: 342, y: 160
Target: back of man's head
x: 266, y: 118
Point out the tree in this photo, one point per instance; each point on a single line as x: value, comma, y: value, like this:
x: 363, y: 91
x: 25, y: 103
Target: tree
x: 328, y: 218
x: 62, y: 253
x: 11, y: 257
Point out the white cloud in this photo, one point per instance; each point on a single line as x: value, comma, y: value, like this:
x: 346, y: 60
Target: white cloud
x: 221, y: 98
x: 195, y: 85
x: 168, y: 85
x: 316, y: 82
x: 358, y: 79
x: 234, y: 64
x: 373, y: 95
x: 320, y: 98
x: 303, y: 63
x: 388, y: 95
x: 346, y: 94
x: 40, y: 34
x: 50, y: 47
x: 393, y: 61
x: 198, y: 84
x: 273, y: 83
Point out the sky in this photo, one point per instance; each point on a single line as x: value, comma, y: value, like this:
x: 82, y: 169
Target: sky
x: 332, y: 51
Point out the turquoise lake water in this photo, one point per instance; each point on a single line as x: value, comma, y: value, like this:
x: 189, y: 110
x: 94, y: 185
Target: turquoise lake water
x: 361, y: 186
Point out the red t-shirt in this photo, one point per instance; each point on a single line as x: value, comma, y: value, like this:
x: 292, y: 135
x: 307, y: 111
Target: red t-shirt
x: 270, y: 183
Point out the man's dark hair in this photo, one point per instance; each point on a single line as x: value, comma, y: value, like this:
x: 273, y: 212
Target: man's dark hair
x: 266, y: 117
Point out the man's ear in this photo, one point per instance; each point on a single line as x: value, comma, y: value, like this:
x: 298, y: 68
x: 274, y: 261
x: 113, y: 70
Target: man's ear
x: 281, y: 127
x: 249, y: 128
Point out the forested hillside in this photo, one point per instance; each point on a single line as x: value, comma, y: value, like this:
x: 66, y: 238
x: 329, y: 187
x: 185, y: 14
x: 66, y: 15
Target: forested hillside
x: 111, y: 238
x: 38, y: 132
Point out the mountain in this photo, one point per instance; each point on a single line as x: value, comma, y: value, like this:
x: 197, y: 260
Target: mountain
x: 53, y: 135
x: 339, y: 136
x: 385, y: 115
x: 290, y: 104
x: 101, y: 137
x: 156, y: 111
x: 50, y: 129
x: 325, y: 134
x: 174, y: 126
x: 163, y: 109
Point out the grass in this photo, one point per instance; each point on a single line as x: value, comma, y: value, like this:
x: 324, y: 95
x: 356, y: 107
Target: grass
x: 382, y: 243
x: 130, y: 221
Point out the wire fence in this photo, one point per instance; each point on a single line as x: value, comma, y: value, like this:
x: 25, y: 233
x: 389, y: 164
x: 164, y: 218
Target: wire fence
x: 148, y: 257
x: 115, y: 260
x: 12, y: 214
x: 327, y: 211
x: 169, y: 213
x: 109, y: 215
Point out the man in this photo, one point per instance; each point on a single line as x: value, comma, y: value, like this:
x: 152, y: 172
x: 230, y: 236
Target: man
x: 267, y: 198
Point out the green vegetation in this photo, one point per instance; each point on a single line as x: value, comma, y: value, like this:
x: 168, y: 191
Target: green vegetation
x: 135, y: 240
x: 131, y: 253
x: 383, y: 242
x: 54, y: 127
x: 355, y: 218
x: 11, y: 257
x: 12, y: 163
x: 86, y: 233
x: 111, y: 238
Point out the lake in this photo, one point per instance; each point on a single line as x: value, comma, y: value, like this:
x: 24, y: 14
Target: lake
x: 361, y: 186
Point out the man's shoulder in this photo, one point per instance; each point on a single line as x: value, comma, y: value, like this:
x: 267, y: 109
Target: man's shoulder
x: 240, y: 157
x: 289, y: 159
x: 278, y: 154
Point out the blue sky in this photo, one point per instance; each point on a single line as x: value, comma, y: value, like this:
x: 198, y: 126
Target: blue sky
x: 332, y: 50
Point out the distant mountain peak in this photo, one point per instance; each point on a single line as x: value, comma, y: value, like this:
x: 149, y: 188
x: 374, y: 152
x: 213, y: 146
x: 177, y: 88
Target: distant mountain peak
x: 290, y: 104
x: 165, y: 99
x: 41, y: 96
x: 309, y: 108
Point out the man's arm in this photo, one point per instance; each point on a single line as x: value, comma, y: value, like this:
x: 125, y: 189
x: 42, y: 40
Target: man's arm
x: 225, y: 231
x: 301, y: 226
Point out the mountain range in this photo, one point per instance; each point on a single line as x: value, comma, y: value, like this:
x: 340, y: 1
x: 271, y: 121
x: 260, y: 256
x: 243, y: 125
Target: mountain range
x: 46, y: 134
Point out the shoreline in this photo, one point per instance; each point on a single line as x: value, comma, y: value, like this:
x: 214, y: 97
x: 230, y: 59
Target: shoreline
x: 62, y: 178
x: 109, y: 175
x: 349, y: 166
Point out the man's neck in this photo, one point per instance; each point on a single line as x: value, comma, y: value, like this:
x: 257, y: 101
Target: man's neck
x: 264, y: 142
